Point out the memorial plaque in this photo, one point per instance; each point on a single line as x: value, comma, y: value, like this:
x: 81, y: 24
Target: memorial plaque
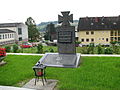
x: 65, y: 37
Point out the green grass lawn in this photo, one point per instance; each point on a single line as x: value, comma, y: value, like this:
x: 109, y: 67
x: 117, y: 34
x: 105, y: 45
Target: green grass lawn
x: 46, y: 49
x: 94, y: 73
x: 17, y: 69
x: 34, y: 49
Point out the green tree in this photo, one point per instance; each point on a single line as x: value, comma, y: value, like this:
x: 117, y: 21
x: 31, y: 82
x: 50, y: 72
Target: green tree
x: 46, y: 35
x: 50, y: 32
x: 33, y: 33
x: 40, y: 48
x: 8, y: 48
x: 15, y: 48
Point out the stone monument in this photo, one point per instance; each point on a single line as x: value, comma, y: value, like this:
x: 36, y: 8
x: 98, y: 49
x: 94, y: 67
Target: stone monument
x: 66, y: 56
x: 66, y: 34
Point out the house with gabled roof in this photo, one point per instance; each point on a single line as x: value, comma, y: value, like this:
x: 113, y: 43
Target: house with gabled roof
x: 13, y: 32
x: 98, y: 30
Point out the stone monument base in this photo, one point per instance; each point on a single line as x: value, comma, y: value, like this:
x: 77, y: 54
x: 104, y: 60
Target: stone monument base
x: 60, y: 60
x: 49, y: 85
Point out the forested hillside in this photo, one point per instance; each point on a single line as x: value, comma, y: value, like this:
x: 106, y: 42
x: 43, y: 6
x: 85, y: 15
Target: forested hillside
x: 42, y: 26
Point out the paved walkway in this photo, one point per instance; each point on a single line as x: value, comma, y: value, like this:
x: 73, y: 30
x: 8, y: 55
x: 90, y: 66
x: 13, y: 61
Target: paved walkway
x: 49, y: 85
x: 13, y: 88
x: 99, y: 55
x: 24, y: 54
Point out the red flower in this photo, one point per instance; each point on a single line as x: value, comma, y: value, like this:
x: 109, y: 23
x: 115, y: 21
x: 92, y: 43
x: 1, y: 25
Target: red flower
x: 2, y: 52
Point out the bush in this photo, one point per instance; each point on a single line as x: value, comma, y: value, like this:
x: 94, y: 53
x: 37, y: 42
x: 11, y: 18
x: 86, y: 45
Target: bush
x: 113, y: 42
x: 99, y: 49
x: 115, y: 49
x: 77, y: 43
x: 84, y: 50
x: 39, y: 48
x: 8, y: 48
x: 108, y: 50
x: 51, y: 50
x: 91, y: 45
x: 46, y: 51
x: 15, y: 48
x: 90, y: 49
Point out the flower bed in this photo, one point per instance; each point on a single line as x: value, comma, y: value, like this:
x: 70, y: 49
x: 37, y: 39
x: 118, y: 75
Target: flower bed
x: 2, y: 54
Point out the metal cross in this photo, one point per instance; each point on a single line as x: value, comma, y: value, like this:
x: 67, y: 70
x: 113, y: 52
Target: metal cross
x: 65, y: 19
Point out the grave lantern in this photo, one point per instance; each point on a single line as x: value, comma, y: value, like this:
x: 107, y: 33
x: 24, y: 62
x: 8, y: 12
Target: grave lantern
x: 39, y: 70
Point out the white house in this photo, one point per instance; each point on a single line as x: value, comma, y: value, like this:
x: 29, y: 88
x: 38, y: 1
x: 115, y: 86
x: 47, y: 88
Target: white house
x: 13, y: 32
x: 7, y: 36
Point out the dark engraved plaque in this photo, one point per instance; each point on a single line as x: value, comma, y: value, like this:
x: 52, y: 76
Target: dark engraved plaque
x: 65, y: 37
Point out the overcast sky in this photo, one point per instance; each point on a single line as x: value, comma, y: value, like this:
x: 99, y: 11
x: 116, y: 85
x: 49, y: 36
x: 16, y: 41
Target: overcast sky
x: 48, y: 10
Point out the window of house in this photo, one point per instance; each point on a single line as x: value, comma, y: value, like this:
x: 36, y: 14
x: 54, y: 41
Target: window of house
x: 111, y: 38
x: 115, y: 33
x: 118, y: 32
x: 82, y: 40
x: 87, y: 40
x: 19, y: 31
x: 106, y: 39
x: 115, y: 38
x: 10, y: 36
x: 111, y: 33
x: 102, y: 38
x: 5, y: 35
x: 92, y: 32
x: 119, y: 39
x: 20, y: 38
x: 0, y: 36
x: 92, y: 39
x: 87, y: 33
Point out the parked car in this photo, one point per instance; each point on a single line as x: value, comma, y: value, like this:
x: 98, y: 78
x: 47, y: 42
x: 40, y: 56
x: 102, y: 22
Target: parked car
x: 34, y: 44
x: 26, y: 45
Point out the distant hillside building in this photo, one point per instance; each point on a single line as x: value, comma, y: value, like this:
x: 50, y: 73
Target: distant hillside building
x: 13, y: 32
x: 98, y: 30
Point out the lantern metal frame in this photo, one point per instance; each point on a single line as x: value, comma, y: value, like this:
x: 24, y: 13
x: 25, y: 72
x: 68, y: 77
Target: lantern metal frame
x: 39, y: 70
